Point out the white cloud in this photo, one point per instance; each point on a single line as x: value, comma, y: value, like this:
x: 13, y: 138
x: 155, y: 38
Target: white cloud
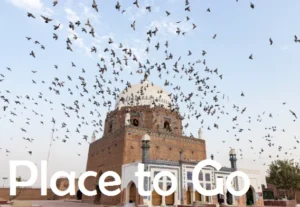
x: 88, y: 13
x: 32, y: 6
x: 79, y: 42
x: 132, y: 13
x: 71, y: 15
x: 165, y: 26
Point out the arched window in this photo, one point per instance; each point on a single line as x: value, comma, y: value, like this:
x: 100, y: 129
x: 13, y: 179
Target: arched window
x: 135, y: 122
x: 167, y: 126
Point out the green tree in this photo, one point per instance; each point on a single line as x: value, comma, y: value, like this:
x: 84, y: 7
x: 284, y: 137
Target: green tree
x: 284, y: 174
x: 20, y: 190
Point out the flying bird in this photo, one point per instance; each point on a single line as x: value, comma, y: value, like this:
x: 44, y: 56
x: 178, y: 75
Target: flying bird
x: 32, y: 54
x: 271, y: 41
x: 47, y: 20
x: 294, y: 114
x: 95, y: 6
x: 30, y: 15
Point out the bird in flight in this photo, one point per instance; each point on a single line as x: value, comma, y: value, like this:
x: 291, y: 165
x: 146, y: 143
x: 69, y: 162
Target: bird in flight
x: 293, y: 113
x: 95, y: 6
x: 271, y: 41
x: 30, y: 15
x: 47, y: 20
x: 55, y: 3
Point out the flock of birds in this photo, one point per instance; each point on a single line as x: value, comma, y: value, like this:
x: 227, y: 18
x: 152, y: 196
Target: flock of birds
x: 204, y: 100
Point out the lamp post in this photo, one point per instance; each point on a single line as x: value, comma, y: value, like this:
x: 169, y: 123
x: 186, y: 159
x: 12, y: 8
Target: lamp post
x: 4, y: 179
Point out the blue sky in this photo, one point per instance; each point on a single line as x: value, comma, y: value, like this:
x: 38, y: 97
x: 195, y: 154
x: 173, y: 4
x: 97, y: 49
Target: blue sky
x: 268, y: 80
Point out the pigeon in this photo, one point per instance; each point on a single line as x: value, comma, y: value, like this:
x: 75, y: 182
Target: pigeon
x: 47, y: 20
x: 95, y: 6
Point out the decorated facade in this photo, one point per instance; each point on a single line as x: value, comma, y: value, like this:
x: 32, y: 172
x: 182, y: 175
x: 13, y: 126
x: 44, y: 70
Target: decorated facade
x: 144, y: 128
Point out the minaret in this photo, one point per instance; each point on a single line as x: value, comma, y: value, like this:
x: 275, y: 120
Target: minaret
x: 145, y: 147
x: 232, y: 158
x: 145, y: 156
x: 93, y: 137
x: 200, y: 133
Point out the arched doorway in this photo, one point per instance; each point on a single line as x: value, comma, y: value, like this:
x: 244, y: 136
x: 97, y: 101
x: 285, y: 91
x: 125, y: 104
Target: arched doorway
x: 156, y: 198
x: 229, y: 198
x: 98, y: 196
x: 188, y: 196
x: 198, y: 196
x: 170, y: 198
x: 79, y: 195
x: 250, y: 197
x: 132, y: 193
x: 220, y: 199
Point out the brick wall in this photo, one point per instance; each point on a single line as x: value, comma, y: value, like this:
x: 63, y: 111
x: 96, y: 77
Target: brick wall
x: 148, y: 118
x: 32, y: 194
x: 26, y: 194
x: 121, y: 144
x: 290, y: 203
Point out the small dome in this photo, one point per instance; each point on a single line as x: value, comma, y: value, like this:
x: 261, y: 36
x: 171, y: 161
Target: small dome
x: 144, y: 94
x: 146, y: 137
x: 232, y: 152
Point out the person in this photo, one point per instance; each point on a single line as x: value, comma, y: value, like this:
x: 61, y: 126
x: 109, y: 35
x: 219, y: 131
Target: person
x: 220, y: 199
x: 79, y: 195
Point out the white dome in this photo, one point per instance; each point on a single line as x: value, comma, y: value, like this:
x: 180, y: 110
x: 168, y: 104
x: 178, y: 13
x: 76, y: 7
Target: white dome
x: 232, y: 152
x: 144, y: 94
x: 146, y: 137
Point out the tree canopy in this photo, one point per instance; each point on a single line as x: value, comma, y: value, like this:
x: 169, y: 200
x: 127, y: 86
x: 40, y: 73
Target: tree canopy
x: 284, y: 174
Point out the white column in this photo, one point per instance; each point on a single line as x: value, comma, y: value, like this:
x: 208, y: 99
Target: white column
x: 193, y: 196
x: 164, y: 187
x: 175, y: 197
x: 225, y: 195
x: 163, y: 201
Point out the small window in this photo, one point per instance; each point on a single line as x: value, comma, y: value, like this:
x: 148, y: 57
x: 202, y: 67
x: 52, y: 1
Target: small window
x: 190, y: 185
x: 135, y: 122
x: 167, y: 126
x: 155, y: 173
x: 207, y: 176
x: 110, y: 126
x: 201, y: 176
x: 189, y: 175
x: 168, y: 178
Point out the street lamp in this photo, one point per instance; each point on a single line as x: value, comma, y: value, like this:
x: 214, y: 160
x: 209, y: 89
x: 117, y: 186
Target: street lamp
x: 4, y: 179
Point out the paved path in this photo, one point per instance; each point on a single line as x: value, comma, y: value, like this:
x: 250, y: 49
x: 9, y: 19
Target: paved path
x: 59, y: 204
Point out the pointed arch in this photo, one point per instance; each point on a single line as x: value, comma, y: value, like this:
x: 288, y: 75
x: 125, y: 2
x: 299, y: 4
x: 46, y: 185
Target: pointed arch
x: 250, y: 196
x: 97, y: 198
x: 132, y: 195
